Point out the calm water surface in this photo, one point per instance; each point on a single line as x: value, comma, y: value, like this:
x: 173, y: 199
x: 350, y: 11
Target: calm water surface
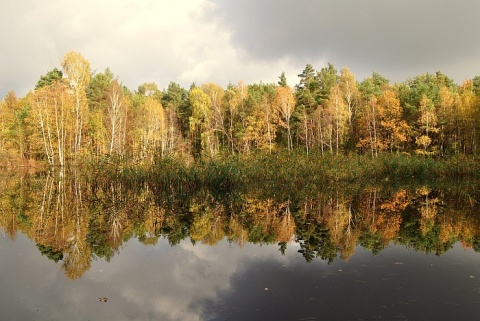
x: 103, y: 248
x: 229, y: 282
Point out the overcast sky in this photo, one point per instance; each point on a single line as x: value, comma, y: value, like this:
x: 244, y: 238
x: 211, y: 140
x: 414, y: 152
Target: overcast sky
x: 226, y: 41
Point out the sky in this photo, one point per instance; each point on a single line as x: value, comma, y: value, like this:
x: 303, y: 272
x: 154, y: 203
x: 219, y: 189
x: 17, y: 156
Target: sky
x: 225, y: 41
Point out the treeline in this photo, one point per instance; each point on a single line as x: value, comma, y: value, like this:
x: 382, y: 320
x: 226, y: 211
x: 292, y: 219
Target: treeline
x: 74, y: 114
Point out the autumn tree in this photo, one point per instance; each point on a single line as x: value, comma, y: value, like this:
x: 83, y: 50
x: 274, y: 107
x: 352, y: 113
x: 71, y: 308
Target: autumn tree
x: 53, y: 110
x: 116, y: 117
x: 466, y: 119
x: 262, y: 120
x: 394, y: 130
x: 337, y: 124
x: 201, y: 123
x: 149, y: 128
x: 446, y: 119
x: 428, y: 125
x: 98, y: 100
x: 350, y: 92
x: 150, y: 89
x: 219, y: 114
x: 76, y: 70
x: 351, y: 97
x: 16, y: 127
x: 235, y: 109
x: 367, y: 131
x: 285, y: 103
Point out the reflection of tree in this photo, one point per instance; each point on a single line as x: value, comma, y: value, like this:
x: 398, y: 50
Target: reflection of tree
x: 421, y: 229
x: 312, y: 234
x: 14, y: 199
x: 261, y: 214
x: 391, y: 209
x: 268, y: 221
x: 116, y: 214
x: 154, y: 221
x: 316, y: 242
x: 50, y: 252
x: 284, y: 224
x: 77, y: 259
x: 74, y: 218
x: 428, y: 210
x: 207, y: 225
x: 340, y: 223
x: 49, y: 224
x: 380, y: 217
x: 238, y: 230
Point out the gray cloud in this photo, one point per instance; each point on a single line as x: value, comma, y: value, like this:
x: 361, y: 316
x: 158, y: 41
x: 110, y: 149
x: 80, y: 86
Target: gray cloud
x: 400, y: 38
x: 226, y: 41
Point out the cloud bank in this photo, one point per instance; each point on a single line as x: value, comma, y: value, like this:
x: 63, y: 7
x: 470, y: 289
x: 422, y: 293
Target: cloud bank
x: 200, y: 41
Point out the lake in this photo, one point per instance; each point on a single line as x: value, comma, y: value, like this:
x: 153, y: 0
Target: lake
x: 110, y: 250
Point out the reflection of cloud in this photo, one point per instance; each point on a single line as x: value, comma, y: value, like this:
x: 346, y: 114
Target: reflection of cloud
x: 175, y: 282
x: 174, y: 278
x: 199, y: 250
x: 141, y: 282
x: 191, y: 283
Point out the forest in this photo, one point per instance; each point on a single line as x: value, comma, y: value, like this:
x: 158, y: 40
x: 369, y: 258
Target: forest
x: 74, y: 116
x: 330, y: 163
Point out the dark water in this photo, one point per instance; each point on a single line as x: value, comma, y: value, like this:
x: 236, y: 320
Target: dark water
x: 228, y: 282
x: 78, y: 248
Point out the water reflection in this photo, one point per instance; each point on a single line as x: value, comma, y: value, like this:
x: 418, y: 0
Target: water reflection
x: 75, y: 218
x: 203, y: 282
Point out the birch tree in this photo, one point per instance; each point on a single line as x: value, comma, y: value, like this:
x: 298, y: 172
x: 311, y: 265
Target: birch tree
x: 151, y: 131
x: 350, y: 92
x: 201, y: 122
x: 285, y: 103
x: 115, y: 118
x: 341, y: 115
x: 52, y: 106
x: 446, y: 119
x: 218, y: 113
x: 76, y: 70
x: 428, y: 124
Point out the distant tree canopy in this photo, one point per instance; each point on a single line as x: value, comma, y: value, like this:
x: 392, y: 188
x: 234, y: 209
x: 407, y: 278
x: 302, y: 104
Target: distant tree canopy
x: 49, y: 78
x: 73, y: 114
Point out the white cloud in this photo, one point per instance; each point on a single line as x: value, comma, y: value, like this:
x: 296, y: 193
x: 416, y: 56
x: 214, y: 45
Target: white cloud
x: 139, y: 40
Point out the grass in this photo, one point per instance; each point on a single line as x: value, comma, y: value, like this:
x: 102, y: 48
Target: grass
x: 284, y: 171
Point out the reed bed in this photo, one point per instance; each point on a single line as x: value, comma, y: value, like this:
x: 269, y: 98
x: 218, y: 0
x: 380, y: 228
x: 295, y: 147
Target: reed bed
x: 286, y: 171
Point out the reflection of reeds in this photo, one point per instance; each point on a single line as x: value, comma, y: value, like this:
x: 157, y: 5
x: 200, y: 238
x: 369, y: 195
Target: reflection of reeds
x: 327, y: 204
